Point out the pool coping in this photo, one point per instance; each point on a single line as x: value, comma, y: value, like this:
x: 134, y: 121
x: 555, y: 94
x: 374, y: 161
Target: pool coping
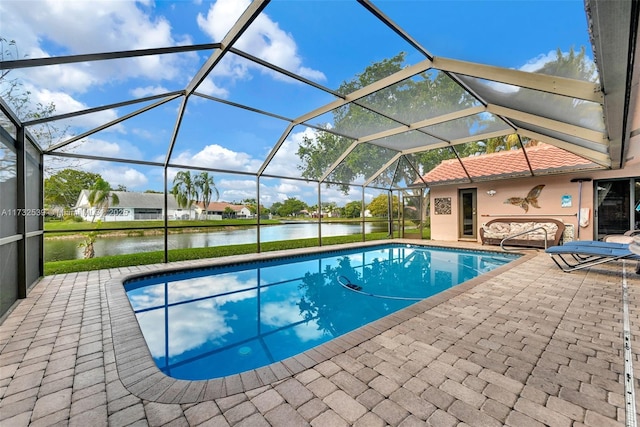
x: 141, y: 376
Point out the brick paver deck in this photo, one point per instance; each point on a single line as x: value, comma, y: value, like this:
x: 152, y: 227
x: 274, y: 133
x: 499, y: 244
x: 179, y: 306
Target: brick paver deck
x: 526, y: 345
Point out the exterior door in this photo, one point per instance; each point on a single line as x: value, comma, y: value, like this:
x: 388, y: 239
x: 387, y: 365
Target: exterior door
x: 617, y: 206
x: 467, y: 221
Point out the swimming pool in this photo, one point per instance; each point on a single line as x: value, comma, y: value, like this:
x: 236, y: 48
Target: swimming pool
x: 213, y: 322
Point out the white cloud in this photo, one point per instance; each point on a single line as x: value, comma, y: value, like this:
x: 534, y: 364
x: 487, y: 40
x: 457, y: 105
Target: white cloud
x: 216, y: 156
x: 191, y: 324
x: 271, y: 190
x: 535, y: 64
x: 288, y: 188
x: 208, y: 87
x: 64, y: 103
x: 286, y: 312
x: 264, y: 39
x: 78, y: 27
x: 144, y: 134
x: 141, y: 92
x: 236, y: 190
x: 129, y: 177
x: 335, y: 195
x: 286, y: 161
x: 100, y: 147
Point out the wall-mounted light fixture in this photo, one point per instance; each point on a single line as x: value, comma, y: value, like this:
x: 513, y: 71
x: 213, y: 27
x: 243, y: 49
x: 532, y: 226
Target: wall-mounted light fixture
x: 491, y: 193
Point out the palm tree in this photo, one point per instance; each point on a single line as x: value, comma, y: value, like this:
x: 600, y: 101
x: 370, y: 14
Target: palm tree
x: 205, y: 187
x: 184, y: 190
x: 100, y: 196
x: 502, y: 143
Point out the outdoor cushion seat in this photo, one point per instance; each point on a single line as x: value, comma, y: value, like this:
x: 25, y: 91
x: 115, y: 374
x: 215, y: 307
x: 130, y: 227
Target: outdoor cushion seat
x: 494, y: 231
x: 627, y: 237
x: 583, y: 254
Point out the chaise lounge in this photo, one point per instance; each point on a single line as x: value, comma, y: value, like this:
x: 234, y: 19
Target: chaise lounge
x: 577, y: 255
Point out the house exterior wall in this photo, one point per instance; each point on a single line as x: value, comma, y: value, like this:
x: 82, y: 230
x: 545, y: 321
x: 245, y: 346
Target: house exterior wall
x: 557, y: 188
x: 244, y: 213
x: 120, y: 212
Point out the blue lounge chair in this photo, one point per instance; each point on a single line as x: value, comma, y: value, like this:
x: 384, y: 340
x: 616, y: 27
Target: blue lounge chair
x: 583, y: 254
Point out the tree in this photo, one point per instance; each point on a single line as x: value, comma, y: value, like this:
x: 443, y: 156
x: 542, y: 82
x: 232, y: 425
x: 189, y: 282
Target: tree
x: 412, y: 99
x: 63, y: 188
x: 432, y: 95
x: 21, y: 101
x: 229, y: 212
x: 252, y: 206
x: 100, y: 197
x: 184, y: 190
x: 205, y: 188
x: 275, y: 207
x: 88, y: 244
x: 380, y: 206
x: 574, y: 65
x: 291, y: 206
x: 330, y: 208
x: 89, y: 241
x: 353, y: 209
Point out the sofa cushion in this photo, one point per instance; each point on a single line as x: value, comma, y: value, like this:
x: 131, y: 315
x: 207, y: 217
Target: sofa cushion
x: 500, y: 230
x: 494, y: 231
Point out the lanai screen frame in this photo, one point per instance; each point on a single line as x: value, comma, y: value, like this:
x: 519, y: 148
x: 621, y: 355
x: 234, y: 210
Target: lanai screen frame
x: 593, y: 145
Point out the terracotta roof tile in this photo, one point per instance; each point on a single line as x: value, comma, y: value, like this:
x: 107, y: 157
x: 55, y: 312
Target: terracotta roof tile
x: 504, y: 164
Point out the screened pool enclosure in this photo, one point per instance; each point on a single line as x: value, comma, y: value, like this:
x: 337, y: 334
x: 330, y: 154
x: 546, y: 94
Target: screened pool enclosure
x: 323, y: 101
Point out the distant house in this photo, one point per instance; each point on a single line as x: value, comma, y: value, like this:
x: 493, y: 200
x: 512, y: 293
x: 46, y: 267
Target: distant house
x: 132, y: 206
x: 219, y: 210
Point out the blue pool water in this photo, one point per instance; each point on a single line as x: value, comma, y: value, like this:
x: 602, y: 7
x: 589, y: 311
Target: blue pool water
x: 213, y: 322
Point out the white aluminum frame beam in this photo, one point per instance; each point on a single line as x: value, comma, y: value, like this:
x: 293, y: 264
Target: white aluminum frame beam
x: 424, y: 123
x: 555, y: 125
x: 382, y: 169
x: 109, y: 124
x: 596, y: 157
x: 403, y: 74
x: 104, y: 56
x: 101, y: 108
x: 558, y: 85
x: 248, y: 16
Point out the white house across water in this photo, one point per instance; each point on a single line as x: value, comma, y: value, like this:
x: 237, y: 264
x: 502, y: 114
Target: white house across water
x: 132, y: 206
x: 150, y: 206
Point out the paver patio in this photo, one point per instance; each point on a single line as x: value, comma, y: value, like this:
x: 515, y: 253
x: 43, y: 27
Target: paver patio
x: 526, y: 345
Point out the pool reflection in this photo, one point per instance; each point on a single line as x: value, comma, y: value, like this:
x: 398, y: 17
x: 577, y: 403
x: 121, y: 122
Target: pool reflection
x: 214, y: 322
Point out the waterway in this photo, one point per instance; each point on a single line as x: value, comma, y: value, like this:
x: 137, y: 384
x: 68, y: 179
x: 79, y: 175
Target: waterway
x: 67, y: 249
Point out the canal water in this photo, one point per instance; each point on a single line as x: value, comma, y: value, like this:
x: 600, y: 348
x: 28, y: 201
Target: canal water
x: 67, y: 249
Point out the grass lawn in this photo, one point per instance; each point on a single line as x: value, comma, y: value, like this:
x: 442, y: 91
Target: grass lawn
x: 65, y: 226
x: 71, y: 266
x: 57, y: 228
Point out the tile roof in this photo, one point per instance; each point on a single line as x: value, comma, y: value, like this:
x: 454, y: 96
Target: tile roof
x: 544, y: 159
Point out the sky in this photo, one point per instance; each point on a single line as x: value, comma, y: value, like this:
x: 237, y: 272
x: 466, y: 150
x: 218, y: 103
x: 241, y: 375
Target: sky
x: 327, y: 42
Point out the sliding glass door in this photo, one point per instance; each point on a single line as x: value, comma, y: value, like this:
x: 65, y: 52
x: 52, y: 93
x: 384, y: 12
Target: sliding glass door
x: 617, y: 206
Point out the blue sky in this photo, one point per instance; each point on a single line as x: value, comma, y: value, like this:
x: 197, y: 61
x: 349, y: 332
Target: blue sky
x: 326, y: 41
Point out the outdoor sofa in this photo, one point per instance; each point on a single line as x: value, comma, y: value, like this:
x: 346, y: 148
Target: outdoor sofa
x: 494, y: 231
